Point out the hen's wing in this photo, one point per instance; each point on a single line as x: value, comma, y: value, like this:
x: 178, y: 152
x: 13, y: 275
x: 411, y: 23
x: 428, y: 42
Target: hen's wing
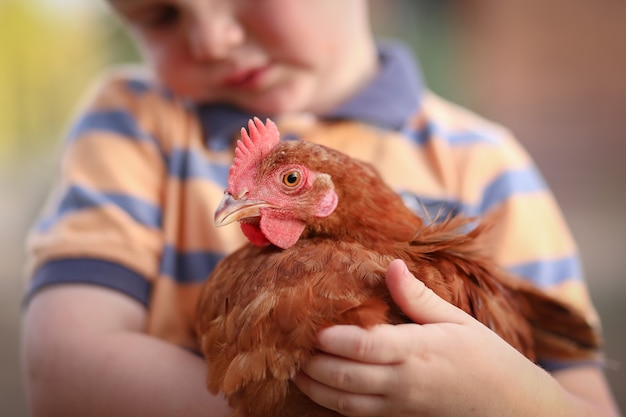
x: 538, y: 325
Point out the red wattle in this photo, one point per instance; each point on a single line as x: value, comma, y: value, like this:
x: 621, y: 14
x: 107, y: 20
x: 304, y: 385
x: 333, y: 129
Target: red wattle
x: 254, y: 234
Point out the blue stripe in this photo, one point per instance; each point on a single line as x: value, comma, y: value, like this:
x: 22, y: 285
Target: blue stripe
x: 78, y: 198
x: 140, y: 87
x: 543, y: 273
x: 188, y: 267
x: 510, y: 183
x: 470, y: 138
x: 432, y: 209
x: 418, y: 137
x: 546, y: 273
x: 462, y: 138
x: 113, y: 121
x: 90, y: 271
x: 454, y: 138
x: 506, y: 185
x: 185, y: 164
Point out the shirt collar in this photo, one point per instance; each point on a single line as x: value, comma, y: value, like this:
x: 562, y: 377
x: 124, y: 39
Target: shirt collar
x: 392, y: 97
x: 388, y: 101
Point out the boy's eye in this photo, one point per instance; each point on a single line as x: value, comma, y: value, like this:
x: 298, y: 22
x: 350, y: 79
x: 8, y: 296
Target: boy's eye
x: 160, y: 16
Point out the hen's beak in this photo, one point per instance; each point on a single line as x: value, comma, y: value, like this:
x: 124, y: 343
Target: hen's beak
x: 231, y: 210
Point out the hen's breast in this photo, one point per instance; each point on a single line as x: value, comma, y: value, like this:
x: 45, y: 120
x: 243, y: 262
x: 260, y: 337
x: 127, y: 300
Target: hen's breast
x: 261, y: 309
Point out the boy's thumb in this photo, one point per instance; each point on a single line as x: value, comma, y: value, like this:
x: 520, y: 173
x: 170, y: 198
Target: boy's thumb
x: 418, y: 301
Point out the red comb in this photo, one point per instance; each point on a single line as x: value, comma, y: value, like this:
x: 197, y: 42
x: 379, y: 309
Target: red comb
x: 251, y: 149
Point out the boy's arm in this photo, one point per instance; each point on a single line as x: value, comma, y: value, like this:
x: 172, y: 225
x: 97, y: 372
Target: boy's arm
x: 85, y: 354
x: 588, y: 386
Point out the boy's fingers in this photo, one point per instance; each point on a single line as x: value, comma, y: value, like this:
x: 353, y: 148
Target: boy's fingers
x: 388, y: 343
x: 416, y: 300
x: 380, y: 344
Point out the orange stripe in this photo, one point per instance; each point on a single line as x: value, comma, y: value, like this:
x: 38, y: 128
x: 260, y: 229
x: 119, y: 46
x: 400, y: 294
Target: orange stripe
x: 109, y: 162
x: 196, y: 200
x: 514, y: 236
x: 100, y: 233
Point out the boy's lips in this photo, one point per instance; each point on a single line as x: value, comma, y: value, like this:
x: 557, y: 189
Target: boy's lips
x: 246, y: 79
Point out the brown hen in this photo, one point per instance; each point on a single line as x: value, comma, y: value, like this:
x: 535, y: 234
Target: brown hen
x: 323, y: 228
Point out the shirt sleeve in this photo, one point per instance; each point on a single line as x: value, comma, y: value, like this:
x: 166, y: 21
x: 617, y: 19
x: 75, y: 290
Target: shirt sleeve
x: 102, y: 223
x: 530, y: 236
x: 490, y: 176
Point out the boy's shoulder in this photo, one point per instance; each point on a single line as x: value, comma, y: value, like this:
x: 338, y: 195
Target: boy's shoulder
x: 133, y: 75
x: 127, y: 101
x: 451, y: 131
x: 458, y: 125
x: 123, y: 84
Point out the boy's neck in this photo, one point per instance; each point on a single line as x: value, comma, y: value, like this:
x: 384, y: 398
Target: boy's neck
x: 362, y: 69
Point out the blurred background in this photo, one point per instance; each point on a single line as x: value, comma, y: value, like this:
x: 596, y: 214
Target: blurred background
x: 554, y: 71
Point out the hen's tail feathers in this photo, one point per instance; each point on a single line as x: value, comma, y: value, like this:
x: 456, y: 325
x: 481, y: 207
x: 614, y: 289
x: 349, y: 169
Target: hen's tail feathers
x: 560, y: 331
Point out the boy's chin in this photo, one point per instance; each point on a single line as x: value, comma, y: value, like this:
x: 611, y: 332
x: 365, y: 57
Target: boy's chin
x: 289, y: 99
x: 273, y: 104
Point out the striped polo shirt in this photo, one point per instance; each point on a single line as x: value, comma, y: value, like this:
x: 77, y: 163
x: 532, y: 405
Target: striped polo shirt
x: 143, y: 171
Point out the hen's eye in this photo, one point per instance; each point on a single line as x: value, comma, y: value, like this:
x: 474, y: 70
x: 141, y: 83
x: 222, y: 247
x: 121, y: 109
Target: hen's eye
x: 292, y: 178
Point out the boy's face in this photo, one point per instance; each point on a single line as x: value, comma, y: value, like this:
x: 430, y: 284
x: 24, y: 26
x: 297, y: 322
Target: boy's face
x: 267, y: 56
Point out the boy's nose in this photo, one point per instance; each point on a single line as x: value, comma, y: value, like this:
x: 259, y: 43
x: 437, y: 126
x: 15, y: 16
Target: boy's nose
x: 213, y: 37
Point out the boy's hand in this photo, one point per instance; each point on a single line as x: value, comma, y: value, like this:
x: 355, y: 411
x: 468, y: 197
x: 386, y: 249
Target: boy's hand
x: 448, y: 364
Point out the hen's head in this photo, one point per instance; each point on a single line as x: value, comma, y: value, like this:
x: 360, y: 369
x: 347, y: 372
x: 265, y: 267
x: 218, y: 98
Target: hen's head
x: 271, y: 192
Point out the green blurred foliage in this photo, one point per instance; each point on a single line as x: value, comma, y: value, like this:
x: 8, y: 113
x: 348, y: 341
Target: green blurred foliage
x: 47, y: 59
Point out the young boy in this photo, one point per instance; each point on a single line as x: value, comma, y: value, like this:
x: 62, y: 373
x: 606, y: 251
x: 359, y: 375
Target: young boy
x: 126, y: 240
